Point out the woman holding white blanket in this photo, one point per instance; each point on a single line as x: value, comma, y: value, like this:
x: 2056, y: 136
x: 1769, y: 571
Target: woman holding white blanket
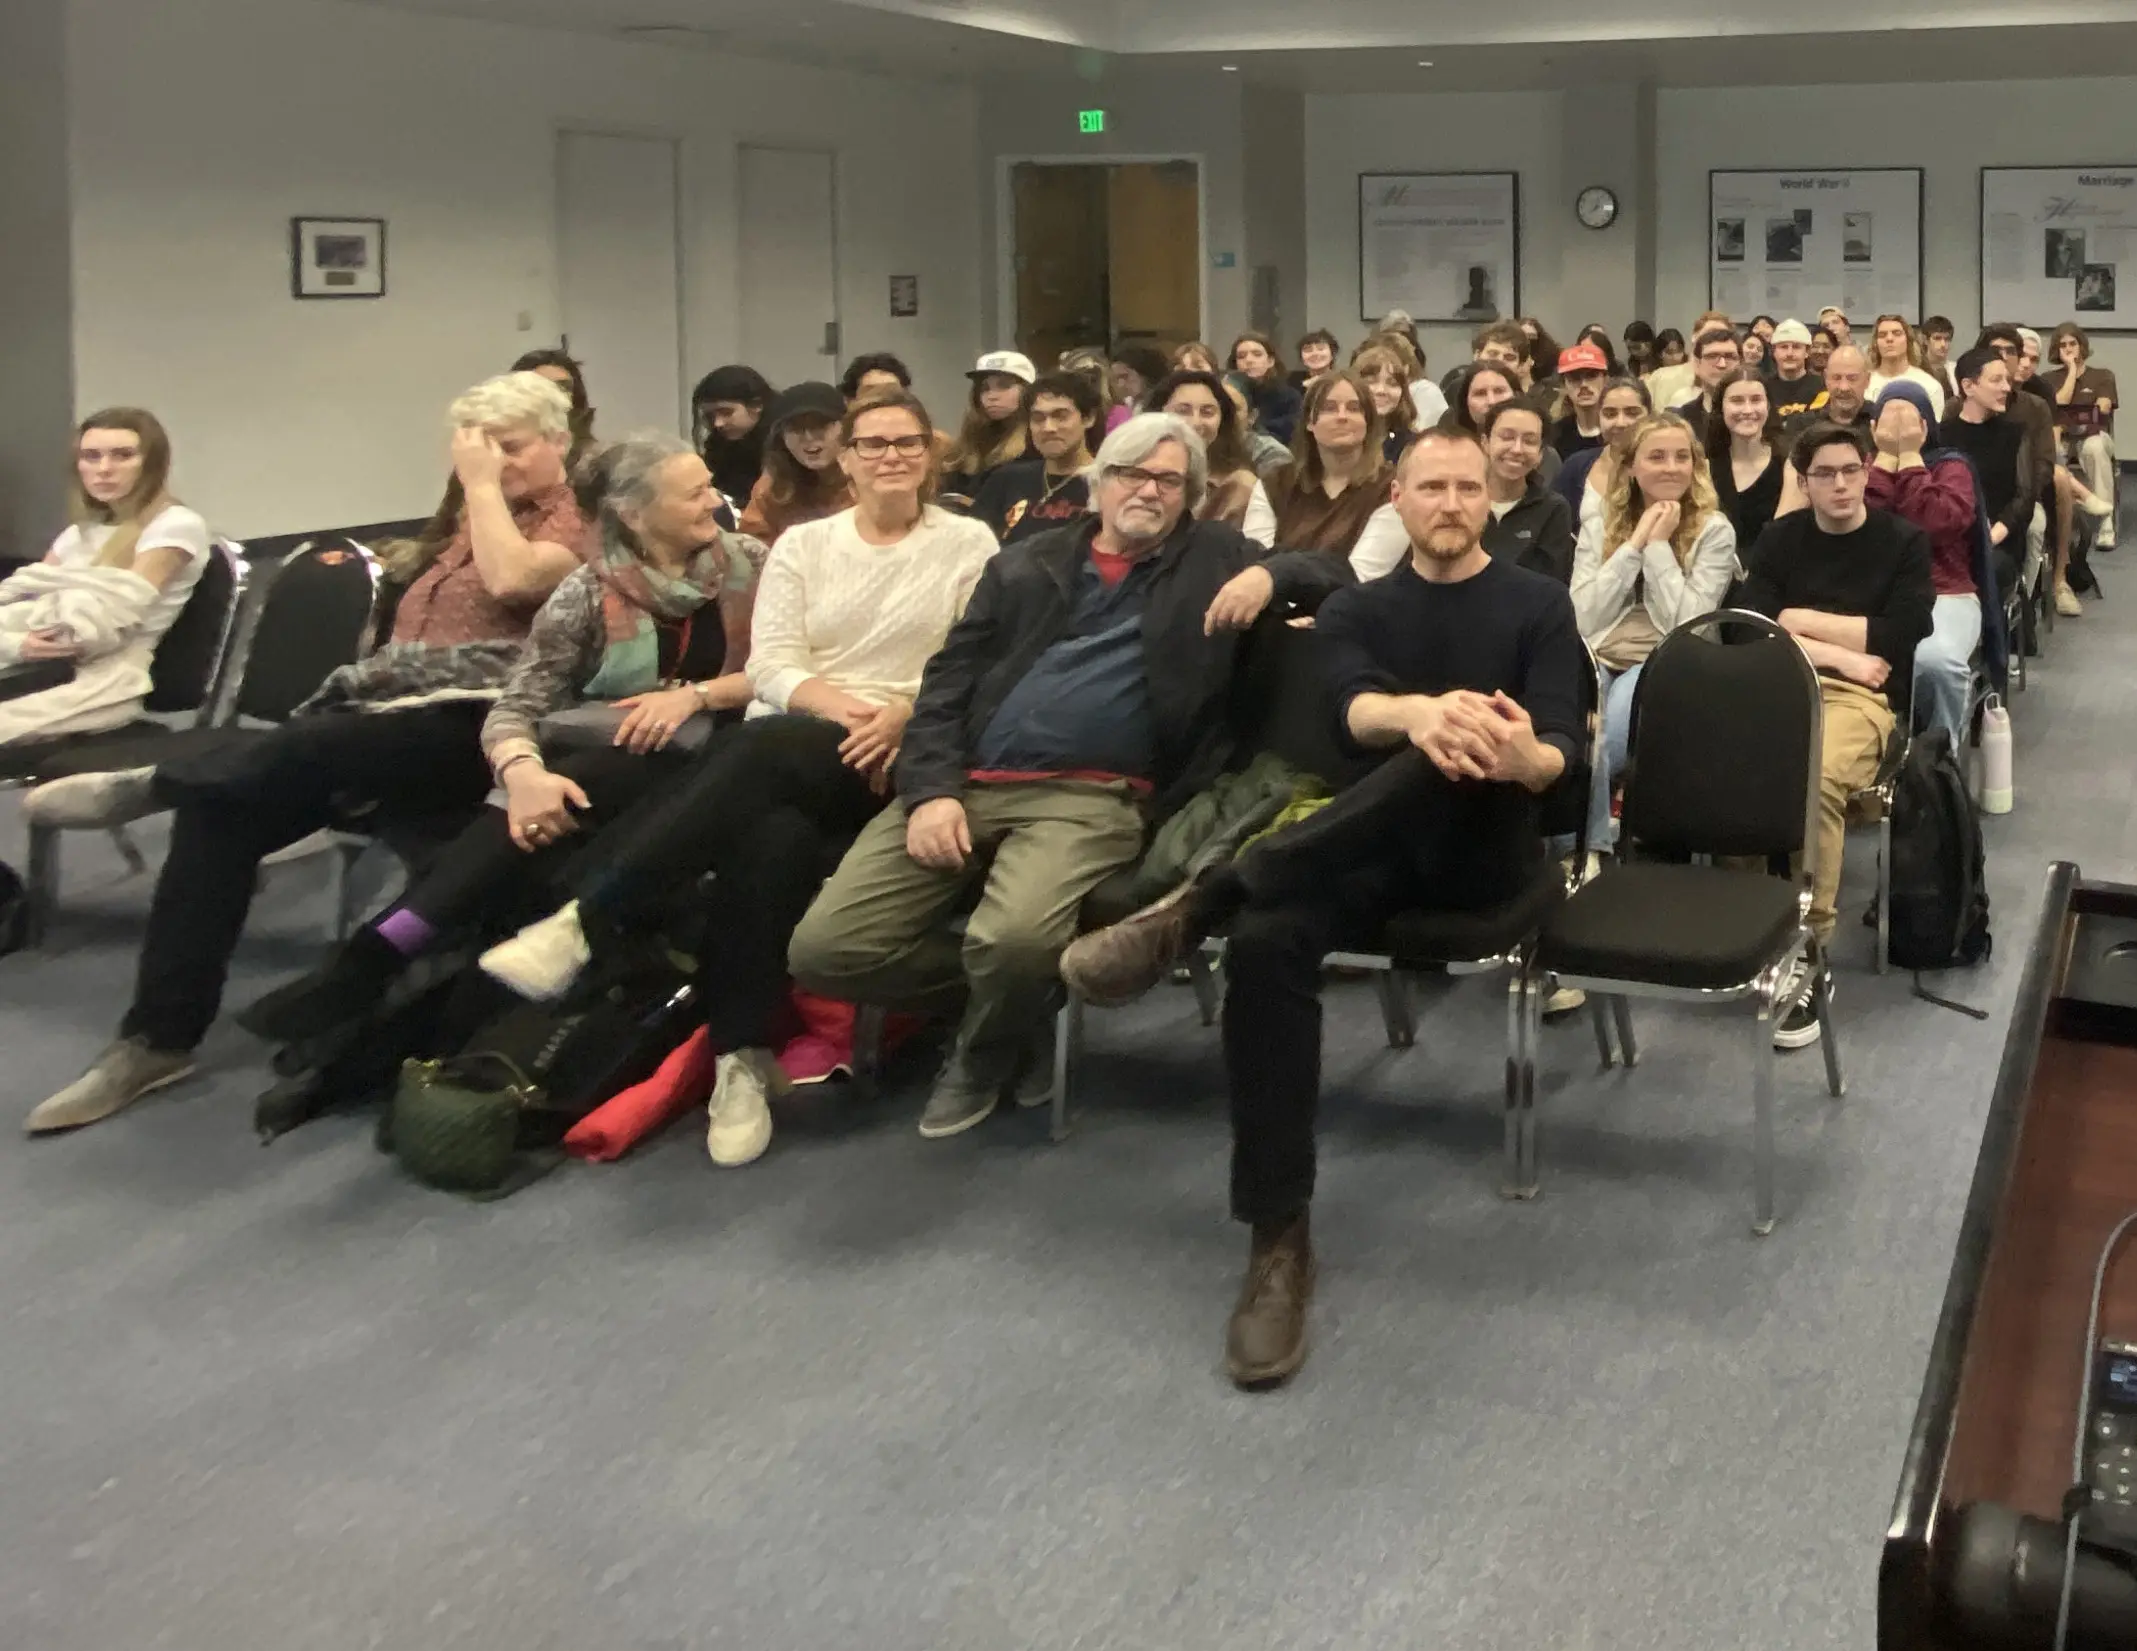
x: 109, y: 587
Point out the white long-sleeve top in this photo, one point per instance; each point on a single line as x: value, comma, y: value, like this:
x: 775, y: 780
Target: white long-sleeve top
x: 1604, y: 587
x: 866, y: 618
x: 1260, y: 522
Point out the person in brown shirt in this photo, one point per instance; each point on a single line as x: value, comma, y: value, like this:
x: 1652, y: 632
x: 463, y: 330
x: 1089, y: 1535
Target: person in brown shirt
x: 2083, y: 403
x: 1198, y: 399
x: 1324, y: 500
x: 802, y: 481
x: 374, y: 756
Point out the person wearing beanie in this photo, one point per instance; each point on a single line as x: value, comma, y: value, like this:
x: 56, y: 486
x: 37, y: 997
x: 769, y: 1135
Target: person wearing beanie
x: 1915, y: 477
x: 1790, y: 384
x: 802, y: 481
x: 727, y: 427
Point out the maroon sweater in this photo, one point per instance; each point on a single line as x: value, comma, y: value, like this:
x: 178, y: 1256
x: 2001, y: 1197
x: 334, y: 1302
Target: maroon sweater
x: 1939, y: 499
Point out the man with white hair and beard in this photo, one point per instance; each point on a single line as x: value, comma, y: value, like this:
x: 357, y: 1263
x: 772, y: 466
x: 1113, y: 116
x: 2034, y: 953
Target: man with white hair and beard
x: 1085, y: 690
x: 1468, y: 669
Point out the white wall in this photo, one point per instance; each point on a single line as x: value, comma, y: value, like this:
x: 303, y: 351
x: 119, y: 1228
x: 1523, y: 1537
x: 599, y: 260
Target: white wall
x: 1455, y: 132
x: 200, y: 129
x: 1950, y: 131
x: 36, y: 353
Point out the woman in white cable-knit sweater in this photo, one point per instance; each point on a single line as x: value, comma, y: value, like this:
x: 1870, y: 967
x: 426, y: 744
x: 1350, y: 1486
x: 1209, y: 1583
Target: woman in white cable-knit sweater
x: 849, y: 611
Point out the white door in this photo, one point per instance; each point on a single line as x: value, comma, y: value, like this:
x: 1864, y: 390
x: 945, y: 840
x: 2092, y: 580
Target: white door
x: 619, y: 277
x: 789, y: 275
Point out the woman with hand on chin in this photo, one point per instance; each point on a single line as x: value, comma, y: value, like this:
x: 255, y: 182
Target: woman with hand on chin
x: 1659, y: 553
x: 1340, y: 478
x: 656, y: 625
x: 848, y: 613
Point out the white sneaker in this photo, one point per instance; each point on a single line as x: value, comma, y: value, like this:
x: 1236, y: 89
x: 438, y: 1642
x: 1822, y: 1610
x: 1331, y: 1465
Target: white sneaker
x: 2092, y: 504
x: 2067, y: 603
x: 543, y: 961
x: 740, y: 1126
x: 83, y: 802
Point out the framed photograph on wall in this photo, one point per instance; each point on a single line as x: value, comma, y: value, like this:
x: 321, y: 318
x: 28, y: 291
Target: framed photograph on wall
x: 1790, y: 243
x: 337, y: 257
x: 2053, y: 241
x: 1445, y: 246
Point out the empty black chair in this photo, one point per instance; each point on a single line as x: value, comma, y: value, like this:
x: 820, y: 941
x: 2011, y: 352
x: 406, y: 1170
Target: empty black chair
x: 1726, y: 739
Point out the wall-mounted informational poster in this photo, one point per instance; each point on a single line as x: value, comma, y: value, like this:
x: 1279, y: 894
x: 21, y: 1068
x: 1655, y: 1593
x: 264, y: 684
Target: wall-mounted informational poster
x: 2054, y: 243
x: 1787, y: 244
x: 1446, y: 246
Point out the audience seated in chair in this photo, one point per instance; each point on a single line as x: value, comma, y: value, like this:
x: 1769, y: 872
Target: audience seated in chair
x: 728, y: 410
x: 1324, y: 501
x: 1473, y: 667
x: 1212, y: 409
x: 1854, y: 587
x: 1936, y: 491
x: 1660, y: 552
x: 1031, y: 495
x: 395, y: 733
x: 1086, y: 686
x: 109, y: 587
x: 657, y: 626
x: 802, y: 481
x: 849, y: 610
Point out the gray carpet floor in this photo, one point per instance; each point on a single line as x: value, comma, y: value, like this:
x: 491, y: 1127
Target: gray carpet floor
x: 876, y: 1391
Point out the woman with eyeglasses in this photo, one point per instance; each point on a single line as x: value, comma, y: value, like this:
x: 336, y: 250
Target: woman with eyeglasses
x: 1661, y: 552
x: 1205, y: 403
x: 849, y: 611
x: 1340, y: 478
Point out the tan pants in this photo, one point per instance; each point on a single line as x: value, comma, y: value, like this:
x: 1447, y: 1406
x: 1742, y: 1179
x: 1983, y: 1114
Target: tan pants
x: 879, y: 931
x: 1858, y: 722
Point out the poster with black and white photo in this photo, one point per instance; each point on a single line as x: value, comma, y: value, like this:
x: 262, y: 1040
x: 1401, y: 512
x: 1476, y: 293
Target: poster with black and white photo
x: 1446, y: 246
x: 1790, y: 243
x: 2053, y: 243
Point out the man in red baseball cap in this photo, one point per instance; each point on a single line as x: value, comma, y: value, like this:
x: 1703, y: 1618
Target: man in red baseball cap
x: 1584, y: 371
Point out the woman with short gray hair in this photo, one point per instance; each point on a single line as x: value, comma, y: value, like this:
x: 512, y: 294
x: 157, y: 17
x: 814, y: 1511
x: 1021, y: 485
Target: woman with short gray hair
x: 626, y: 638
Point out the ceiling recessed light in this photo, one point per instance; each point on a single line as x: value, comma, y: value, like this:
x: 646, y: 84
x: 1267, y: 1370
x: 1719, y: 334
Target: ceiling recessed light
x: 1229, y: 68
x: 1424, y: 63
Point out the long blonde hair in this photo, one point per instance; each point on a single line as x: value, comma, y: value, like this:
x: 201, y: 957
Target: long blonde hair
x: 150, y: 494
x: 1626, y: 505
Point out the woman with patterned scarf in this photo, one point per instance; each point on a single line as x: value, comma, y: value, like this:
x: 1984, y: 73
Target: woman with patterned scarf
x: 656, y: 625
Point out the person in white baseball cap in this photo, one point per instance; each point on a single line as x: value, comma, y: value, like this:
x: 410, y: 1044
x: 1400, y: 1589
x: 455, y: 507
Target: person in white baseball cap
x: 994, y: 431
x: 1791, y: 386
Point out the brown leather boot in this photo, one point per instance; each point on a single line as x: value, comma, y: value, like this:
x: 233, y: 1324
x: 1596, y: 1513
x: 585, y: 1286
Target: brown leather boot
x: 1266, y: 1341
x: 1122, y: 961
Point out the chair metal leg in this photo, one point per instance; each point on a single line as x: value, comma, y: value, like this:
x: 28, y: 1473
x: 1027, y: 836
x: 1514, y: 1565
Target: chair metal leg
x: 1523, y: 1007
x: 1884, y: 891
x: 42, y: 883
x: 343, y: 918
x: 1764, y: 1060
x: 129, y: 851
x: 1835, y: 1079
x: 1599, y: 1017
x: 868, y: 1021
x: 1621, y: 1013
x: 1204, y: 984
x: 1068, y: 1044
x: 1395, y: 1009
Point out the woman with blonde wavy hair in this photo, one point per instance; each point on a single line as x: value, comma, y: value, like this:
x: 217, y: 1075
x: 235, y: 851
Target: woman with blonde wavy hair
x: 1661, y: 552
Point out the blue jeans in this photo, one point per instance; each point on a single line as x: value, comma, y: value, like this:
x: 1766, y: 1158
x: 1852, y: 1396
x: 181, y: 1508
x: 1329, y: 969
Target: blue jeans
x: 1942, y: 674
x: 1617, y: 735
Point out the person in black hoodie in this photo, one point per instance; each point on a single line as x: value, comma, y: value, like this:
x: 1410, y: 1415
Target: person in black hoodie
x: 1531, y: 526
x: 728, y: 428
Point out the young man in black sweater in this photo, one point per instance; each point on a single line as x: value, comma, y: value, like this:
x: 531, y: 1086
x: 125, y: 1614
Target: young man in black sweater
x: 1981, y: 425
x: 1469, y: 670
x: 1026, y: 497
x: 1853, y: 586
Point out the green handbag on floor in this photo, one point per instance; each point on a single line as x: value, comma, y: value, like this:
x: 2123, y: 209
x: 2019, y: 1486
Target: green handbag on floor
x: 474, y: 1124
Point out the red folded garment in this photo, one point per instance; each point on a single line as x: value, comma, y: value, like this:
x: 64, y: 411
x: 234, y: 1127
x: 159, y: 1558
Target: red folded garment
x: 620, y: 1123
x: 823, y: 1049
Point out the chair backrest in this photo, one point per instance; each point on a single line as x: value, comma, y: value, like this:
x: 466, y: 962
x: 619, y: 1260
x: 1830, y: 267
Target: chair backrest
x: 1726, y: 740
x: 310, y: 623
x: 188, y: 661
x: 1564, y: 808
x: 1287, y: 704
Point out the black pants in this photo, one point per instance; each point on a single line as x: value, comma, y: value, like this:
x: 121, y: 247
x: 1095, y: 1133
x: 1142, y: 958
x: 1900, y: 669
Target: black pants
x: 770, y: 808
x: 238, y: 805
x: 482, y: 870
x: 1402, y: 838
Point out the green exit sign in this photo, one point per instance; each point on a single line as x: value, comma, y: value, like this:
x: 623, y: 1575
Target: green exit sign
x: 1089, y: 121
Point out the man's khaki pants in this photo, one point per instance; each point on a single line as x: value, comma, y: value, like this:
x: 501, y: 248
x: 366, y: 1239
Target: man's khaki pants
x: 880, y: 930
x: 1858, y: 722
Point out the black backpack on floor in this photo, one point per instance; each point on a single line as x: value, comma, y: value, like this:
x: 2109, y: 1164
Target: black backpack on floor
x: 1940, y: 897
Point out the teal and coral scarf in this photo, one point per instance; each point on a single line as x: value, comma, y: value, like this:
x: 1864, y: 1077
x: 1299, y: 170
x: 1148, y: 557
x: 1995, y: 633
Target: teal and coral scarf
x: 635, y: 598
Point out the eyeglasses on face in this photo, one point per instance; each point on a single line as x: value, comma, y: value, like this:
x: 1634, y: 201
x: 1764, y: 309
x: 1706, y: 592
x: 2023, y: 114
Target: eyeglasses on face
x: 1170, y: 483
x: 874, y: 447
x: 1830, y: 473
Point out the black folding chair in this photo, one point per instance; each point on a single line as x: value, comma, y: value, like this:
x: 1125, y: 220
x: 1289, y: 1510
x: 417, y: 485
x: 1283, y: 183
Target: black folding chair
x: 1727, y: 739
x: 308, y: 621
